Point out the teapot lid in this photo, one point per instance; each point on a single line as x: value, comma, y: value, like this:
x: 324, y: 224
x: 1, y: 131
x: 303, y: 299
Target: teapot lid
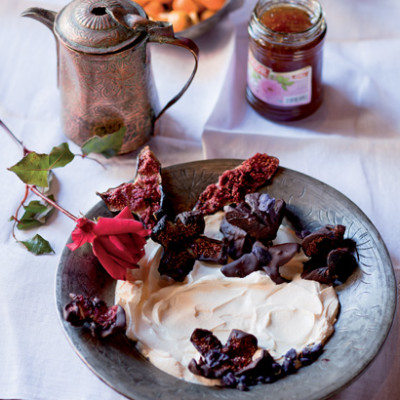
x: 87, y: 25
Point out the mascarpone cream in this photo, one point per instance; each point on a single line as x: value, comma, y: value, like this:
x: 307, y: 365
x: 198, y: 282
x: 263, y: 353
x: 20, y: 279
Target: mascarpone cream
x: 162, y: 314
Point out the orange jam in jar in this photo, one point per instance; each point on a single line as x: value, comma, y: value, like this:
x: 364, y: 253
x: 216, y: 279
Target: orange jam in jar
x: 284, y: 73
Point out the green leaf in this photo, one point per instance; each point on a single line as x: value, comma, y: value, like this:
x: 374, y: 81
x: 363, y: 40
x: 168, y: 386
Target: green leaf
x: 60, y: 156
x: 38, y: 245
x: 36, y: 214
x: 33, y: 169
x: 107, y: 145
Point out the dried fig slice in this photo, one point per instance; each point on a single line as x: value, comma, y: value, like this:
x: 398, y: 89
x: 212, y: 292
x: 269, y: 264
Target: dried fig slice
x: 176, y: 263
x: 144, y: 196
x: 184, y: 243
x: 207, y: 249
x: 335, y: 269
x: 204, y: 341
x: 323, y: 240
x: 102, y: 320
x: 237, y: 364
x: 183, y: 229
x: 234, y: 184
x: 217, y: 361
x: 332, y: 260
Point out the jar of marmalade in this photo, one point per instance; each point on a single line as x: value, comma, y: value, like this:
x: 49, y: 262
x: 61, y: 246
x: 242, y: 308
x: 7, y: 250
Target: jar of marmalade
x: 285, y: 58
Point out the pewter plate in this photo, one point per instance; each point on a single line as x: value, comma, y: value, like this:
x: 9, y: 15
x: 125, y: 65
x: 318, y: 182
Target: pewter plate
x: 367, y: 299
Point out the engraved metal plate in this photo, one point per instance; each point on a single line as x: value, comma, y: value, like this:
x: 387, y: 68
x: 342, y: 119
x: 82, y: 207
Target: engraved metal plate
x: 367, y: 298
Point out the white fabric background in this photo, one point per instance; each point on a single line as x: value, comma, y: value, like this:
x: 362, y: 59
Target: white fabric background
x: 352, y: 143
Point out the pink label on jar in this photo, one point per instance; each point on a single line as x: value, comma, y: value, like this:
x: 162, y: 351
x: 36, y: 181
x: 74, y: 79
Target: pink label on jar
x: 285, y: 89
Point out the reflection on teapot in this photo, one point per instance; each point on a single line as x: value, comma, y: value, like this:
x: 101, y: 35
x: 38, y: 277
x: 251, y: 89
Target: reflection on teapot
x: 104, y: 71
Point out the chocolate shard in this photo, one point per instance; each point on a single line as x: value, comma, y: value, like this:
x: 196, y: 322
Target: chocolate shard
x: 260, y: 216
x: 261, y: 257
x: 280, y: 255
x: 322, y: 241
x: 269, y: 210
x: 144, y: 196
x: 176, y: 263
x: 241, y: 267
x: 310, y: 353
x: 240, y: 215
x: 208, y: 249
x: 234, y: 184
x: 94, y: 313
x: 238, y: 241
x: 319, y: 274
x: 290, y: 362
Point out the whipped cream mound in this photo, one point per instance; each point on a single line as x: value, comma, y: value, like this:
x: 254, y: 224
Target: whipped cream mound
x: 162, y: 314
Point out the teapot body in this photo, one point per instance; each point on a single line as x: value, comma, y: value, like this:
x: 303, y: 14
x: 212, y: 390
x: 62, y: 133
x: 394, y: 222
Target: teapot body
x: 101, y: 93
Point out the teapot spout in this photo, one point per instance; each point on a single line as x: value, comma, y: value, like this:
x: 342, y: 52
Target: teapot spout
x: 46, y: 17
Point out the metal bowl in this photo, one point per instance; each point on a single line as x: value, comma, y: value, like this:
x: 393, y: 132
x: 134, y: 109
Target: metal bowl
x: 202, y: 27
x: 367, y: 299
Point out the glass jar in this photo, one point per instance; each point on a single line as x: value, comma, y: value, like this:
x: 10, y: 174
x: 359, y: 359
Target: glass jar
x: 284, y: 74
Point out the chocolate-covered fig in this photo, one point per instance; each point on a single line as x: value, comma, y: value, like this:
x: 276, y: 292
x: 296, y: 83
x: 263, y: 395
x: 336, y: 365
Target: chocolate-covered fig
x: 320, y: 242
x: 102, y: 320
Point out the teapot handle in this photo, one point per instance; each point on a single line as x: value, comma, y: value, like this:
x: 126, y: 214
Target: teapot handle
x: 159, y: 37
x: 156, y: 32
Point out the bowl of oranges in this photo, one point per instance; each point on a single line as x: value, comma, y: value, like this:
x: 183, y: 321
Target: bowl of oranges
x: 189, y: 18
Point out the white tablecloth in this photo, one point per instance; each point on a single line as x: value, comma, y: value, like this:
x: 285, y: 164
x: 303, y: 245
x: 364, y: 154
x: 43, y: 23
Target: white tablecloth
x: 352, y: 143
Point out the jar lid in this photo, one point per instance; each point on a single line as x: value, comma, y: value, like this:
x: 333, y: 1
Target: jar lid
x: 87, y: 25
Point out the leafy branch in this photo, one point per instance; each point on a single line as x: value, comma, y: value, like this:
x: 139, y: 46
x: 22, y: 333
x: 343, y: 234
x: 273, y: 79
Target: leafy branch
x: 35, y: 170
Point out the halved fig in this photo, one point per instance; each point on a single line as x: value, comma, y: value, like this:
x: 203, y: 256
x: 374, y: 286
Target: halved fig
x: 207, y: 249
x: 144, y: 196
x: 233, y: 185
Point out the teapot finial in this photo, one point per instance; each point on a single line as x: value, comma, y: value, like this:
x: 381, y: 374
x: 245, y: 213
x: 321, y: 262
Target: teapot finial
x: 46, y: 17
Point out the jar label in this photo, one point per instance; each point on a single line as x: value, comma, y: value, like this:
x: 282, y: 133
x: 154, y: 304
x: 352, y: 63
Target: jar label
x: 284, y: 89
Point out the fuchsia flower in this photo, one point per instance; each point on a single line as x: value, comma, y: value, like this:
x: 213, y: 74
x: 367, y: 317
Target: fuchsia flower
x: 118, y: 242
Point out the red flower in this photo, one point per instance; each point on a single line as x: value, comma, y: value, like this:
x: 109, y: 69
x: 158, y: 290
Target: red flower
x: 118, y: 242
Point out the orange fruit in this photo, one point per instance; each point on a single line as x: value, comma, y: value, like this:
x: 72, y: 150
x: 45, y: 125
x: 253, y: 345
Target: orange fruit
x: 206, y: 14
x: 214, y: 5
x: 154, y: 8
x: 180, y: 20
x: 188, y: 6
x: 142, y: 2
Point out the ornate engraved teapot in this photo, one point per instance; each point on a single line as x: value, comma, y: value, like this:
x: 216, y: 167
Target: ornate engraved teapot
x: 104, y: 71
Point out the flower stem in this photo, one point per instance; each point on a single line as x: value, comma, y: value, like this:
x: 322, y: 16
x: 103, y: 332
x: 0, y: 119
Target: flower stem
x: 5, y: 127
x: 35, y: 190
